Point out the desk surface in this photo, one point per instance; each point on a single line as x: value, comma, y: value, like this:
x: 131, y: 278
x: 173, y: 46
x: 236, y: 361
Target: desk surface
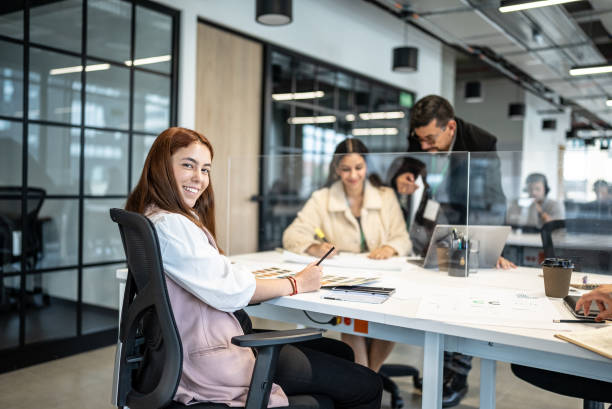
x: 403, y: 312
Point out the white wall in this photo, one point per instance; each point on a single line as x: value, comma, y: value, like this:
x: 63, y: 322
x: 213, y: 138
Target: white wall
x: 541, y: 149
x: 492, y: 113
x: 447, y: 80
x: 349, y: 33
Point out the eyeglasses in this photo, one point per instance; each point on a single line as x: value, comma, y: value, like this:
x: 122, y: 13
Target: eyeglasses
x: 429, y: 139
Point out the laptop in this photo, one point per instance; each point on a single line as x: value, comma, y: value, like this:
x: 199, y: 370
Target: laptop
x: 492, y: 241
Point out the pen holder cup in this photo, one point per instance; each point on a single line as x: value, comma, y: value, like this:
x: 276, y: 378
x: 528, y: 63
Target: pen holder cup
x: 457, y: 260
x: 442, y: 254
x: 557, y: 275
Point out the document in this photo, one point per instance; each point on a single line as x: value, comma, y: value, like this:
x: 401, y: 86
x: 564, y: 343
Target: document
x: 329, y: 279
x: 597, y: 340
x: 349, y: 260
x: 497, y: 307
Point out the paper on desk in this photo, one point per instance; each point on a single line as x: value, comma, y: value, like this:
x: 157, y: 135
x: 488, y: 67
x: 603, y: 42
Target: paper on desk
x: 499, y: 307
x: 349, y: 260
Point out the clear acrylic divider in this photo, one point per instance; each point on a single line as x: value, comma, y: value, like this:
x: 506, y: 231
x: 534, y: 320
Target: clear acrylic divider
x: 265, y: 194
x: 549, y: 204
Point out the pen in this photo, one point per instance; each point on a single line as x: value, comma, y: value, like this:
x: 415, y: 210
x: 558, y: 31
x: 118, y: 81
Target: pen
x: 325, y: 256
x: 332, y: 298
x: 580, y: 321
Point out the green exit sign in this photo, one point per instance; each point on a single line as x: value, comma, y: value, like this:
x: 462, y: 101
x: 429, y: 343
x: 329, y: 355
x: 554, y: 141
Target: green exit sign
x: 406, y: 99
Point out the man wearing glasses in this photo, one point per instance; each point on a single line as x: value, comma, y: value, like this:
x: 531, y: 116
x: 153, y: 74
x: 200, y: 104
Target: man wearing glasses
x: 434, y: 128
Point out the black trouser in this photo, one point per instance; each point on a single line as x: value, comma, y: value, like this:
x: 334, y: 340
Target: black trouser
x: 456, y: 363
x: 304, y: 369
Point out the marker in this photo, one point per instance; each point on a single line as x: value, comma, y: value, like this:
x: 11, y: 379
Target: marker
x: 320, y: 235
x: 325, y: 256
x: 332, y: 298
x: 579, y: 321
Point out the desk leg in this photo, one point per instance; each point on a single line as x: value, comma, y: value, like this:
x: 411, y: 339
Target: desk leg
x: 433, y: 364
x: 488, y: 368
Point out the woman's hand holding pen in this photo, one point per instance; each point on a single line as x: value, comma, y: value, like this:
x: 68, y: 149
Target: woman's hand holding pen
x: 309, y: 279
x: 602, y: 295
x: 382, y: 252
x: 319, y: 249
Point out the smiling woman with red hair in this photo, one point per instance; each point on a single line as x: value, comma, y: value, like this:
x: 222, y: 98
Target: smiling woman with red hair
x: 207, y: 292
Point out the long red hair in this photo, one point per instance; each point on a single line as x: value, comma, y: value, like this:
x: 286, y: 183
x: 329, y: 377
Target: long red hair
x: 157, y: 185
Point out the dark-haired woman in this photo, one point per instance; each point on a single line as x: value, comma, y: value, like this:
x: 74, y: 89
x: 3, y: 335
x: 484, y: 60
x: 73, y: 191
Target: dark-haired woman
x: 357, y: 214
x: 206, y: 291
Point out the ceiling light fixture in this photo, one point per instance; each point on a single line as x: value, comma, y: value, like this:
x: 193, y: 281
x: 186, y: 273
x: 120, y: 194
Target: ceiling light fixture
x: 591, y: 69
x: 374, y: 131
x: 507, y: 6
x: 79, y: 68
x: 273, y: 12
x: 298, y: 95
x: 609, y: 102
x: 367, y: 116
x: 149, y: 60
x: 302, y: 120
x: 405, y: 59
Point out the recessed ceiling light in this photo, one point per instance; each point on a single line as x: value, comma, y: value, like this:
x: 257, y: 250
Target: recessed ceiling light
x: 507, y: 6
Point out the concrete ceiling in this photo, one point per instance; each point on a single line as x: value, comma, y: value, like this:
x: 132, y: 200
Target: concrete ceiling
x: 538, y: 46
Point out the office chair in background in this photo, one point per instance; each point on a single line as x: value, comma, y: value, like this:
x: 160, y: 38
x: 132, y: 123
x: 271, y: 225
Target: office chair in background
x: 388, y: 371
x: 16, y: 239
x: 149, y: 356
x: 585, y: 260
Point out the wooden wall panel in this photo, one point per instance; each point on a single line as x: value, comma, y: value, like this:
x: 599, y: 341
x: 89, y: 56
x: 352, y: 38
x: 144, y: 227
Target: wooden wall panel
x: 228, y: 112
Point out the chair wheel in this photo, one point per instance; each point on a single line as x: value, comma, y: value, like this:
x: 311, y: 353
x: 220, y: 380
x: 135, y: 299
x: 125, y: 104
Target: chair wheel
x: 397, y: 402
x: 418, y: 382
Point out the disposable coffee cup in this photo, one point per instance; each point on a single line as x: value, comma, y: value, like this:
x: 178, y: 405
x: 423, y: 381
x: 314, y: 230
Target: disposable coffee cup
x: 557, y: 276
x: 442, y: 253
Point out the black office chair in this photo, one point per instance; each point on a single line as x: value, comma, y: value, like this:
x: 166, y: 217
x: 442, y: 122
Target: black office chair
x: 548, y: 229
x: 148, y: 360
x: 388, y: 371
x: 594, y: 392
x: 30, y: 243
x: 594, y: 261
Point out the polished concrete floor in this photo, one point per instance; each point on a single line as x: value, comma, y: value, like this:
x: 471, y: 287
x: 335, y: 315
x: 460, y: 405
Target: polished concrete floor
x: 84, y: 381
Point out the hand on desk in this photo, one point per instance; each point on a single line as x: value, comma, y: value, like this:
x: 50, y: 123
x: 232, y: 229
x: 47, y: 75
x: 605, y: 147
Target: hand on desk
x: 505, y: 264
x: 309, y: 279
x: 382, y: 253
x: 319, y: 250
x: 602, y: 295
x: 405, y: 184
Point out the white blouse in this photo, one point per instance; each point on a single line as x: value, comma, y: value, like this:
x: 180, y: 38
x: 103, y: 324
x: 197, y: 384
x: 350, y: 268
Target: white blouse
x: 193, y: 263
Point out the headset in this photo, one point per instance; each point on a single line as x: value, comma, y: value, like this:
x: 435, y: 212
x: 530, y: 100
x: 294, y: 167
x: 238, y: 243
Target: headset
x: 538, y: 177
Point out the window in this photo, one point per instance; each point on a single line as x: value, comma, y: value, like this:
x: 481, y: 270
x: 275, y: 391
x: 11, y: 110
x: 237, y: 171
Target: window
x: 79, y: 107
x: 312, y: 107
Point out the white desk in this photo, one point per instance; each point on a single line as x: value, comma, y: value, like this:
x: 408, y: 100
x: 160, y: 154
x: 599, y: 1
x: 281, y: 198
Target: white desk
x: 395, y: 320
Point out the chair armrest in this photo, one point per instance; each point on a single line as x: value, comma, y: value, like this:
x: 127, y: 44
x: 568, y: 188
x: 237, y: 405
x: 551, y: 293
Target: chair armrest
x: 271, y: 338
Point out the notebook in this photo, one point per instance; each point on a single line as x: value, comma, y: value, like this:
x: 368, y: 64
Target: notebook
x: 596, y: 340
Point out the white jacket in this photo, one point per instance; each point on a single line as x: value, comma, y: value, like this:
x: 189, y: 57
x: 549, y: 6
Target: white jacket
x: 381, y: 220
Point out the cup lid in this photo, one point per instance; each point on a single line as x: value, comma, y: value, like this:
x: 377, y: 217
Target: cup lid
x: 558, y: 262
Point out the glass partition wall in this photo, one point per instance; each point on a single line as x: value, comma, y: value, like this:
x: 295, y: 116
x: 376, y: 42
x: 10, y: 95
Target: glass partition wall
x: 86, y: 85
x: 309, y: 107
x: 497, y: 202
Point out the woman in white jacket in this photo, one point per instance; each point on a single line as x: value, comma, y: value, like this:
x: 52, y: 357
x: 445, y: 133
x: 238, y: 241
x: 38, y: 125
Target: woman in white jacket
x: 356, y: 214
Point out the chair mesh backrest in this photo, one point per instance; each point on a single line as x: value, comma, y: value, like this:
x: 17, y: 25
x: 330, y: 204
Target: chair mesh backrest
x: 10, y: 217
x: 151, y: 356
